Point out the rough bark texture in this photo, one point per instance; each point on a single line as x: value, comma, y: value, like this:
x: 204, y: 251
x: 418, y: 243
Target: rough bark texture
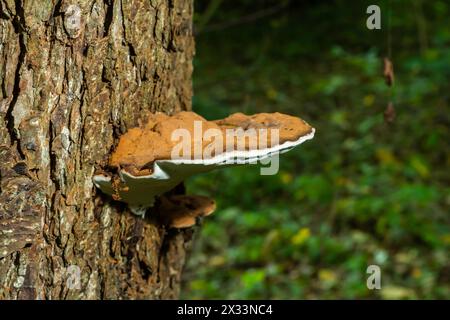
x: 74, y: 76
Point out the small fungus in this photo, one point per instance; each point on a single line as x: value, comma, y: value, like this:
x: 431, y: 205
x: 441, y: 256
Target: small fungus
x: 154, y: 158
x: 183, y: 211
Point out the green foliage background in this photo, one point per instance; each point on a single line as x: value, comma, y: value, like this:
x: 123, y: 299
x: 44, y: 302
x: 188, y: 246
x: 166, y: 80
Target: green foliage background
x: 361, y: 192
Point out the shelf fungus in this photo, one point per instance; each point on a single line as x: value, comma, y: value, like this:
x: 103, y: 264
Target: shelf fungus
x: 183, y: 211
x: 154, y: 158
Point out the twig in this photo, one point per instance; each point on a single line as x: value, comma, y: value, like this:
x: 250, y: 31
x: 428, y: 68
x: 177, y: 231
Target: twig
x: 244, y: 19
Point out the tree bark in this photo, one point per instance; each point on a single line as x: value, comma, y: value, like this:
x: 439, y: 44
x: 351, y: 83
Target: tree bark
x: 75, y: 75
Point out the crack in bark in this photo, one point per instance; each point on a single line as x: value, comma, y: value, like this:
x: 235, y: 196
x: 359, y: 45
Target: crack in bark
x: 108, y: 17
x: 83, y: 119
x: 52, y: 158
x: 19, y: 27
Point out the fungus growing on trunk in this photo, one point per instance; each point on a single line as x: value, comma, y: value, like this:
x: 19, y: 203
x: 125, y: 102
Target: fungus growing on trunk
x: 154, y: 158
x: 183, y: 211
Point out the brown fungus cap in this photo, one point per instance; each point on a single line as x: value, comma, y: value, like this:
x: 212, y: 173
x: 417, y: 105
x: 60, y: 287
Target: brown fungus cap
x: 140, y: 147
x: 182, y: 211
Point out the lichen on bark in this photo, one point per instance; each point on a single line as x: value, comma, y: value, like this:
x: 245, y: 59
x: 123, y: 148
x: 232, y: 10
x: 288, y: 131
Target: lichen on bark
x: 74, y: 76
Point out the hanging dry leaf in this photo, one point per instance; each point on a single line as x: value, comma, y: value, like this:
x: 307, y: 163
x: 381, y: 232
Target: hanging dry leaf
x: 389, y: 113
x: 388, y: 72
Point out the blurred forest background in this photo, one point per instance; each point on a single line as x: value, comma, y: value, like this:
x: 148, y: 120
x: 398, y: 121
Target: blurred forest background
x: 362, y: 191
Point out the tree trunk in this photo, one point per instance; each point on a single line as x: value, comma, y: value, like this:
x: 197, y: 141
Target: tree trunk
x: 75, y: 75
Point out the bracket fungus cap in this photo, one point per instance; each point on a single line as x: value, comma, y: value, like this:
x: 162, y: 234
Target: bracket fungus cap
x: 145, y: 162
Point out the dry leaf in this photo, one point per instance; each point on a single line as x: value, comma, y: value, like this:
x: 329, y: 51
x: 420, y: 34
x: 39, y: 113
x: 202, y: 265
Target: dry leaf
x: 388, y: 72
x: 389, y: 113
